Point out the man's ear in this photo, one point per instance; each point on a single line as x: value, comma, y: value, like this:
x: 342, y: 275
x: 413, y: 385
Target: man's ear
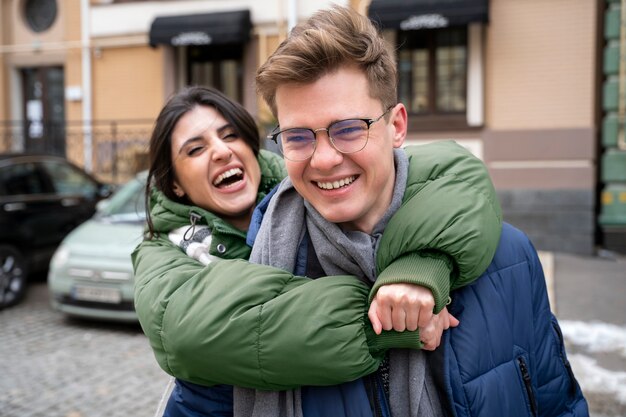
x: 399, y: 121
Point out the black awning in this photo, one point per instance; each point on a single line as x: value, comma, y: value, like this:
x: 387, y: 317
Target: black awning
x: 202, y: 29
x: 427, y: 14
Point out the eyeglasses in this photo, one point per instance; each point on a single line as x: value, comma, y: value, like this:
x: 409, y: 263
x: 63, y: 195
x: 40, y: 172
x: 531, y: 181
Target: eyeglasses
x: 346, y: 136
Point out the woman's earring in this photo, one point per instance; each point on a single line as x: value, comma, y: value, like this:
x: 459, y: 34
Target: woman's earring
x: 179, y: 193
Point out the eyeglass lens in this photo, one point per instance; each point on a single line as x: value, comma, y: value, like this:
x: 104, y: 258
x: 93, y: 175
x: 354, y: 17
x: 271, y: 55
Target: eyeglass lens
x: 347, y: 136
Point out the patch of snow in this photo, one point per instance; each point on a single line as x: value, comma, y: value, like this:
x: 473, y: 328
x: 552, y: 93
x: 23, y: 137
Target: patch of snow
x: 595, y: 336
x: 593, y: 378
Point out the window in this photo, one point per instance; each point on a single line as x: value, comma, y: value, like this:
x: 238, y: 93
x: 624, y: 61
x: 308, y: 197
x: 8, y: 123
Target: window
x: 68, y: 180
x: 216, y: 66
x: 432, y: 71
x: 21, y: 179
x: 127, y: 204
x: 40, y: 14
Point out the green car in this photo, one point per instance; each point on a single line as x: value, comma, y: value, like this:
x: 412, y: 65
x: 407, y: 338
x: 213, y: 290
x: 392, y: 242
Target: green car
x: 91, y: 274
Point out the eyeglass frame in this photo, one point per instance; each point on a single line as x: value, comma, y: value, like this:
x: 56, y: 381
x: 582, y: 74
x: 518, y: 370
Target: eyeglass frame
x: 368, y: 121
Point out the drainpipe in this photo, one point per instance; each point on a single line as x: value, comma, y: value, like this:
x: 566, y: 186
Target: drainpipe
x: 292, y: 14
x: 86, y: 77
x: 621, y: 138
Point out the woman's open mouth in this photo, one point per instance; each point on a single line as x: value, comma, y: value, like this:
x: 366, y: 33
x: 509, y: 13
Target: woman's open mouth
x: 228, y: 178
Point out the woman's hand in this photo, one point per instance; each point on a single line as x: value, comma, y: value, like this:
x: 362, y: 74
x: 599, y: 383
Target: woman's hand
x: 430, y: 335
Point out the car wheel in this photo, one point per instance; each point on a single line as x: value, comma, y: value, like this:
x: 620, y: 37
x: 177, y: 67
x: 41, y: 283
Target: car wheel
x: 12, y: 276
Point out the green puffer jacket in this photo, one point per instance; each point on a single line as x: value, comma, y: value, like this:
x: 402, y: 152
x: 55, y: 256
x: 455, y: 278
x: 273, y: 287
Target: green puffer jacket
x: 232, y: 322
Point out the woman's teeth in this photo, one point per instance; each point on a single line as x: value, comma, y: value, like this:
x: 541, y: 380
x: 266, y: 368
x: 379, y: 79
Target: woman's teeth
x: 226, y: 175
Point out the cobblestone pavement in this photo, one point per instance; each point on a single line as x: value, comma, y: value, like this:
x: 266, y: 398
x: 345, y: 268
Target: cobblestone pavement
x: 54, y: 367
x: 589, y: 301
x: 51, y: 366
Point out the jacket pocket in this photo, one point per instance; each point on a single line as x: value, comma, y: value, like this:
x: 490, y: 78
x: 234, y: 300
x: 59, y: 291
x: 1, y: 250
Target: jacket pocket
x: 527, y: 383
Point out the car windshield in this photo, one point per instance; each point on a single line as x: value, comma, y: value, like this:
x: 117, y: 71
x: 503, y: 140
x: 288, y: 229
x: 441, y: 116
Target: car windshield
x: 126, y: 204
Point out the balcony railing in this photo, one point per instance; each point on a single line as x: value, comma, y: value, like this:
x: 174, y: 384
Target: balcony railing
x: 119, y: 148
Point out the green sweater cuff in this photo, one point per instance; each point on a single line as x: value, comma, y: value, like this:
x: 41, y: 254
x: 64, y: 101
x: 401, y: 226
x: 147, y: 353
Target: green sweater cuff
x: 379, y: 344
x: 429, y: 269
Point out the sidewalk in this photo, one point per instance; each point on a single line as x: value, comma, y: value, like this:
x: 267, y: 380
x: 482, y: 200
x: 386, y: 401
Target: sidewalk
x: 588, y: 296
x: 590, y: 288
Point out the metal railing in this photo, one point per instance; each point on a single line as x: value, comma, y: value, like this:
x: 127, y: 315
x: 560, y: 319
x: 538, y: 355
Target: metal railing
x: 119, y: 148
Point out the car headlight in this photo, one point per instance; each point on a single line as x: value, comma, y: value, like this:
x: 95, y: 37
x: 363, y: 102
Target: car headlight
x: 60, y: 257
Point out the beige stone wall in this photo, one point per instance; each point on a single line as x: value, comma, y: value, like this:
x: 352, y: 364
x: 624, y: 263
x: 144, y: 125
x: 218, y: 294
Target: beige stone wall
x: 4, y: 98
x: 73, y: 59
x: 71, y: 19
x: 128, y: 83
x: 128, y: 89
x: 540, y: 94
x: 267, y: 44
x: 540, y: 63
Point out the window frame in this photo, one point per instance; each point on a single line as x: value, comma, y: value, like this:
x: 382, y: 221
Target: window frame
x: 472, y: 118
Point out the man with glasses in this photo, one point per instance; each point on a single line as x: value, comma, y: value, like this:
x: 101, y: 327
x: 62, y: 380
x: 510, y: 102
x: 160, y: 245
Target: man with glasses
x: 332, y: 86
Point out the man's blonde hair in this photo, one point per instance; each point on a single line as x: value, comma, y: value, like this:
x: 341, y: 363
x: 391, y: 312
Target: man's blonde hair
x: 328, y: 40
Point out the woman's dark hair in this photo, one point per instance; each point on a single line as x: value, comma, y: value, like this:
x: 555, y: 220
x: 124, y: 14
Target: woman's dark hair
x: 161, y: 171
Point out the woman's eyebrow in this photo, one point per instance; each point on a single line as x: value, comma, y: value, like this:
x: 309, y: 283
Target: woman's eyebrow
x: 189, y: 141
x: 227, y: 126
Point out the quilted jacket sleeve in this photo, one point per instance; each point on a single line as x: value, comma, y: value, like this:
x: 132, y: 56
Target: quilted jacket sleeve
x: 254, y: 326
x: 448, y: 228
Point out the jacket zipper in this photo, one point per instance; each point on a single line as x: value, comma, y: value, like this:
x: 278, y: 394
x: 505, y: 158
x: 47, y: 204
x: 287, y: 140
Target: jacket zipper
x: 527, y: 383
x: 383, y: 406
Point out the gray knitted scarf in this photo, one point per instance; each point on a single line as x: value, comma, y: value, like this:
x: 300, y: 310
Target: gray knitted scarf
x: 411, y: 389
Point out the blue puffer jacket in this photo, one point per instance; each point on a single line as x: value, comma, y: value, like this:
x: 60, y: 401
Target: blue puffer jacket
x: 506, y: 358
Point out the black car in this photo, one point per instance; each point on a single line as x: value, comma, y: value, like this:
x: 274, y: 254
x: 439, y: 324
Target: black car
x: 42, y: 198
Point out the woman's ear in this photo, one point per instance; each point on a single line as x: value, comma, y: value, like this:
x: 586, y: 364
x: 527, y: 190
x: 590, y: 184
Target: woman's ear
x: 178, y: 190
x: 399, y: 121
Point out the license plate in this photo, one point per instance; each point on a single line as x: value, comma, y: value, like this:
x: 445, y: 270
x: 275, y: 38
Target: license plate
x: 102, y: 295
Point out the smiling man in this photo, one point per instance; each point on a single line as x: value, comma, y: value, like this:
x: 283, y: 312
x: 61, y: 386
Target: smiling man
x: 345, y: 170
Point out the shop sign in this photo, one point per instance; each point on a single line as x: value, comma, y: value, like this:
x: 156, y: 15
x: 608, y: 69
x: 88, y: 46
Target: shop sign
x: 425, y: 21
x: 191, y: 38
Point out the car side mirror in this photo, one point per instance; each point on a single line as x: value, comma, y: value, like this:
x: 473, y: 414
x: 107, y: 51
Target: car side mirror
x: 105, y: 190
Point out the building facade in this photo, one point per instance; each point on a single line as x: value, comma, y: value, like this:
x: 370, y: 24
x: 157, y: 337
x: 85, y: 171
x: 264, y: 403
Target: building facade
x: 521, y: 84
x: 518, y: 83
